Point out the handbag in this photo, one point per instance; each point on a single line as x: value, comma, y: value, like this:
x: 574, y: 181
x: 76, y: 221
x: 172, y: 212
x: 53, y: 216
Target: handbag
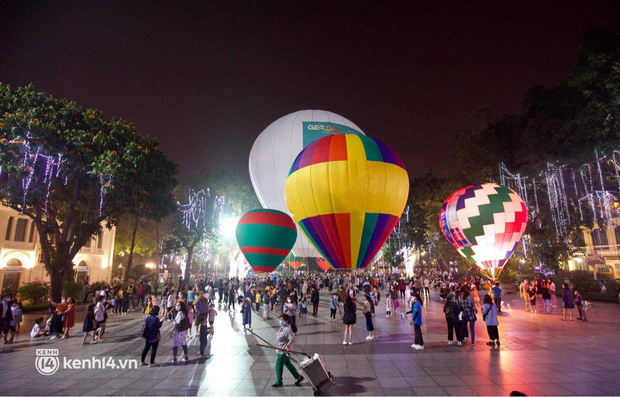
x: 184, y: 325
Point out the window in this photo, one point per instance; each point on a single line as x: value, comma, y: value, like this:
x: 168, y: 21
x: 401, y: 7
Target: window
x: 14, y: 262
x: 31, y: 238
x: 9, y: 229
x: 88, y: 242
x: 20, y: 229
x: 100, y: 239
x: 599, y: 236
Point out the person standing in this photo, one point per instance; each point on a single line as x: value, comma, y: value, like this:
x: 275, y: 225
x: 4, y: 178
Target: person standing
x: 100, y: 317
x: 204, y: 336
x: 497, y: 296
x: 551, y: 286
x: 333, y: 307
x: 69, y: 315
x: 246, y: 312
x: 523, y: 288
x: 546, y: 296
x: 284, y: 340
x: 314, y: 298
x: 266, y: 298
x: 151, y: 335
x: 349, y: 319
x: 179, y: 331
x: 6, y: 318
x: 366, y: 309
x: 489, y: 314
x: 469, y: 316
x: 531, y: 296
x: 567, y: 302
x: 579, y: 304
x: 452, y: 310
x: 416, y: 310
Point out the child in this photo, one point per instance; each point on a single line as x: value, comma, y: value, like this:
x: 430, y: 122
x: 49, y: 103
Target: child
x: 579, y: 304
x: 39, y: 328
x: 204, y: 336
x: 333, y: 307
x: 148, y: 300
x: 366, y: 309
x: 303, y: 307
x: 212, y: 313
x: 16, y: 310
x: 190, y: 316
x: 90, y: 324
x: 389, y: 305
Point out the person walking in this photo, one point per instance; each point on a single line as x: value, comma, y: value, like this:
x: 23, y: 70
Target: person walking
x: 489, y: 314
x: 284, y: 340
x: 349, y: 319
x: 452, y: 310
x: 290, y: 308
x: 497, y: 296
x: 151, y: 335
x: 567, y: 302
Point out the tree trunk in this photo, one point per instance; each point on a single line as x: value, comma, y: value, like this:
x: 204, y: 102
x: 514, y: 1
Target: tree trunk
x: 131, y: 249
x: 188, y: 264
x: 56, y: 281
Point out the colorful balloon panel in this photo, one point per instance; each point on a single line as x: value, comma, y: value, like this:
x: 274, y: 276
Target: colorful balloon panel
x: 265, y: 238
x: 295, y: 264
x: 485, y: 224
x: 347, y: 193
x: 323, y: 264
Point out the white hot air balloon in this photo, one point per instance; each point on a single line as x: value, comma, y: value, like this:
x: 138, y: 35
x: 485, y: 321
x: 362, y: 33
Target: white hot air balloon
x: 276, y: 148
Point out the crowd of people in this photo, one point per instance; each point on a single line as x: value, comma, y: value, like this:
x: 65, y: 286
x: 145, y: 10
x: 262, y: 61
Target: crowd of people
x: 185, y: 311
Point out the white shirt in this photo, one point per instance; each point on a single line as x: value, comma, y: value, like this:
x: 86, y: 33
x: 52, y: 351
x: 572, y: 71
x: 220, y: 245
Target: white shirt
x: 35, y: 330
x: 99, y: 312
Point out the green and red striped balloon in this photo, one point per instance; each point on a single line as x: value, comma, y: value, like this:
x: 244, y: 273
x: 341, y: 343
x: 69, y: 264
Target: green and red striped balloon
x: 266, y: 237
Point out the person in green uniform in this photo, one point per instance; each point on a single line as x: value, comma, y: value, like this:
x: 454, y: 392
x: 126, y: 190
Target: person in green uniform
x: 284, y: 340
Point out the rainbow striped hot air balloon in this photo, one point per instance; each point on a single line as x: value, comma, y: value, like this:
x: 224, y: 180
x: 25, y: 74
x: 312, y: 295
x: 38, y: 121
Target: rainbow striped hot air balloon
x: 347, y: 193
x: 266, y: 237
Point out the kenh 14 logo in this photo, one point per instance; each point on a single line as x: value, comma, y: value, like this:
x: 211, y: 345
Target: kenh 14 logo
x: 47, y: 362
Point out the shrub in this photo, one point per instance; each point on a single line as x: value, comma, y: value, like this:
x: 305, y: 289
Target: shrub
x: 34, y: 293
x: 73, y: 289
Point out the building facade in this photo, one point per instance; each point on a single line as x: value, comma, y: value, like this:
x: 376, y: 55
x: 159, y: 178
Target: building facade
x: 20, y: 254
x: 601, y: 254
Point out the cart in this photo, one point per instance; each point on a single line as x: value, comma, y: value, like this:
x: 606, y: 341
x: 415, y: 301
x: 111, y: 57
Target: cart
x: 312, y: 368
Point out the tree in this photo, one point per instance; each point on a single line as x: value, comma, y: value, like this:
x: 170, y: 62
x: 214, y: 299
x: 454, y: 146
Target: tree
x: 150, y: 198
x: 70, y: 170
x: 194, y: 225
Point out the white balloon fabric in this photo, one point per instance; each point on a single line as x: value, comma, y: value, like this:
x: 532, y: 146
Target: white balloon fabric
x: 276, y: 148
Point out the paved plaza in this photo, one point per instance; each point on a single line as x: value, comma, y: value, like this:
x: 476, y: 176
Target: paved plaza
x: 539, y: 355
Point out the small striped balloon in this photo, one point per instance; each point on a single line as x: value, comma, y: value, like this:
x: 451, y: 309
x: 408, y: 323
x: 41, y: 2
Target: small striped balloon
x: 265, y: 238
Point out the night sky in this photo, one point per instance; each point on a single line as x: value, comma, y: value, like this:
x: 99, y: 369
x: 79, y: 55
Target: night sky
x: 207, y: 78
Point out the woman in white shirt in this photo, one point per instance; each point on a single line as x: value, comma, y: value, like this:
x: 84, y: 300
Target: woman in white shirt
x: 179, y: 333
